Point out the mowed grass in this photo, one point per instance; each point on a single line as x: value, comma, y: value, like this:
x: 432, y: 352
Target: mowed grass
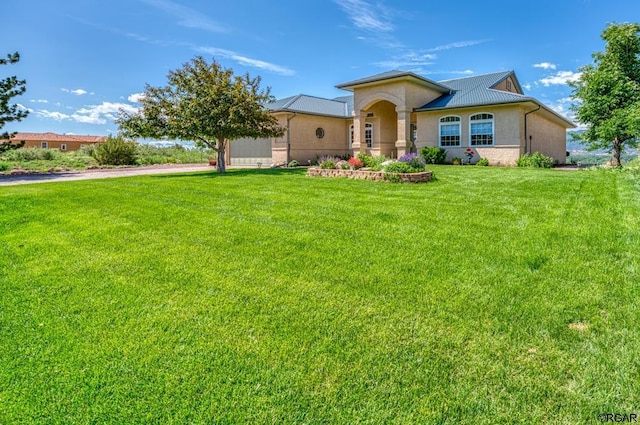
x: 491, y: 295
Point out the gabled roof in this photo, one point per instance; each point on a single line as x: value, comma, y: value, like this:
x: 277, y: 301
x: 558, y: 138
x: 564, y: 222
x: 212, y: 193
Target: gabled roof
x: 479, y: 91
x: 475, y: 91
x: 312, y: 105
x: 53, y: 137
x: 393, y: 75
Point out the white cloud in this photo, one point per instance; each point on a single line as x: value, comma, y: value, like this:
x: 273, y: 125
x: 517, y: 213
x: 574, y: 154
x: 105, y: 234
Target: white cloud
x: 187, y: 17
x: 367, y: 16
x: 54, y: 115
x: 135, y: 97
x: 561, y: 77
x: 24, y: 108
x: 457, y: 45
x: 409, y: 59
x: 526, y: 86
x: 39, y: 101
x: 94, y: 114
x: 246, y: 61
x: 544, y: 65
x: 77, y: 92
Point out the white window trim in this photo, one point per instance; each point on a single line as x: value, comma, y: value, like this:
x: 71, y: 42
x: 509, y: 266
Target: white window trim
x: 63, y: 147
x: 44, y: 145
x: 492, y: 120
x: 440, y: 123
x: 367, y: 126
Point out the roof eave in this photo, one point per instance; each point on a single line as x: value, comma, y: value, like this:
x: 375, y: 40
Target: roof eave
x: 350, y: 86
x: 318, y: 114
x: 515, y: 101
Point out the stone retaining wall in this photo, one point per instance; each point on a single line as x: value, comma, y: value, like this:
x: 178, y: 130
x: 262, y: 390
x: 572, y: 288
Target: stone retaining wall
x: 370, y: 175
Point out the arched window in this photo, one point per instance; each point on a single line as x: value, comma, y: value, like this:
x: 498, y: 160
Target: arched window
x: 449, y: 131
x: 481, y: 130
x: 368, y: 134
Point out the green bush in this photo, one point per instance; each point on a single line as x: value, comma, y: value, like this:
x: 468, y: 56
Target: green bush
x: 327, y: 162
x: 482, y: 162
x: 535, y: 160
x: 4, y: 166
x: 293, y: 163
x: 116, y: 151
x: 456, y: 161
x: 372, y: 162
x: 434, y: 154
x: 32, y: 154
x: 399, y: 167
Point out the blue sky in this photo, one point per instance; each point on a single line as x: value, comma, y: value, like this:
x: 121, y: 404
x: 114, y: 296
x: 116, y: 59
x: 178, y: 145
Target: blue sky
x: 85, y: 59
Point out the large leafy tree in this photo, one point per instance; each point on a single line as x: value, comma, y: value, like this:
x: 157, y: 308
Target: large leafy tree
x: 608, y: 92
x: 10, y: 87
x: 204, y: 103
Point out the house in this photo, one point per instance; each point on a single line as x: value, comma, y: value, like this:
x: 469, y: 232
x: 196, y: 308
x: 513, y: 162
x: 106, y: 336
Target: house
x: 397, y: 112
x: 63, y: 142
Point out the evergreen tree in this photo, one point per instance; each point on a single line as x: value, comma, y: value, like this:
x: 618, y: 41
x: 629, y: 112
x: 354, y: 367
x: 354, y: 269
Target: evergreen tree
x: 9, y: 88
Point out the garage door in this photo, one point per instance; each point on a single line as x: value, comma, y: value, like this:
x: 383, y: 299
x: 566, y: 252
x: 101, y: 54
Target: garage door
x: 251, y: 152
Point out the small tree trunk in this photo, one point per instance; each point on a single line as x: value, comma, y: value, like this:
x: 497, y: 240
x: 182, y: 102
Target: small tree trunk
x: 221, y: 166
x: 615, y: 162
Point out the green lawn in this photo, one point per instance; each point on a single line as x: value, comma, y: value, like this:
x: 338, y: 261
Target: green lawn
x: 492, y: 295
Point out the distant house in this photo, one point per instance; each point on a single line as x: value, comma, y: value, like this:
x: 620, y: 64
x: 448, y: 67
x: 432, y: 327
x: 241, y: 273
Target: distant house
x: 397, y: 112
x: 63, y: 142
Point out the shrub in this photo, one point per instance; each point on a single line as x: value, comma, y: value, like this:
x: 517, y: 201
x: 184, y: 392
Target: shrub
x: 482, y: 162
x: 4, y: 166
x: 356, y: 163
x: 293, y: 163
x: 327, y: 162
x: 372, y: 162
x: 456, y: 161
x: 535, y: 160
x: 116, y: 151
x: 434, y: 154
x: 32, y: 154
x: 343, y: 165
x: 416, y: 161
x: 399, y: 167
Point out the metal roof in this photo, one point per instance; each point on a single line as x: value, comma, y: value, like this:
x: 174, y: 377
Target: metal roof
x: 457, y: 93
x: 390, y: 75
x: 312, y: 105
x: 475, y: 91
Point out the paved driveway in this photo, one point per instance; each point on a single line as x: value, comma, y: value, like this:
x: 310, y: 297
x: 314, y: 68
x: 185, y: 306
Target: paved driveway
x: 10, y: 180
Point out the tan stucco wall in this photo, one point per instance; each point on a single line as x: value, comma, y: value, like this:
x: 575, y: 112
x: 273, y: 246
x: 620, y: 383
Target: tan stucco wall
x: 547, y: 131
x: 305, y: 146
x: 547, y: 136
x: 508, y: 85
x: 401, y: 93
x: 507, y: 130
x: 385, y: 128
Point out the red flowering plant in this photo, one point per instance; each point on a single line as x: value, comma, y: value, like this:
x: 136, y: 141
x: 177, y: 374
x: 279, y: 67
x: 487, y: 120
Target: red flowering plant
x: 469, y: 153
x: 355, y: 163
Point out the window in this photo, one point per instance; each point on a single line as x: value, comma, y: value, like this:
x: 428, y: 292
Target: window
x: 44, y: 145
x: 319, y: 132
x: 63, y: 147
x: 509, y: 85
x: 481, y: 130
x: 368, y: 134
x: 450, y: 131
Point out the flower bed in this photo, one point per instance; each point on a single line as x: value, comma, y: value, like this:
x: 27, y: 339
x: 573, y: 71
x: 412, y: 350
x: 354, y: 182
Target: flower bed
x: 422, y: 177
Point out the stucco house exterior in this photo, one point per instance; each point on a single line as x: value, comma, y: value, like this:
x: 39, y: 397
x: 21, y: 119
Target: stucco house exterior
x: 397, y: 112
x: 62, y: 142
